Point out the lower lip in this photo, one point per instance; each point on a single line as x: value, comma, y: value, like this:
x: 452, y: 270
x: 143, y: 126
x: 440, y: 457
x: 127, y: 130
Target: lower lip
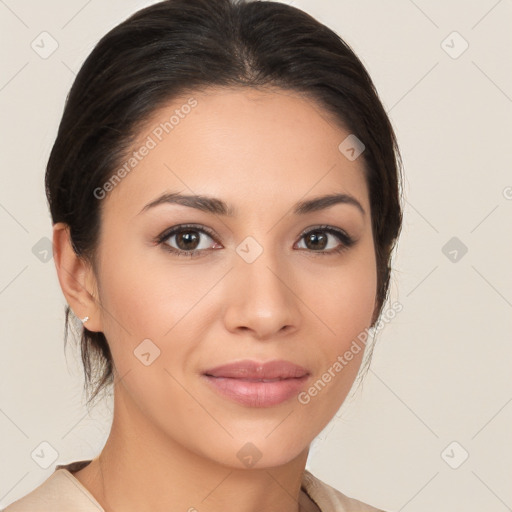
x: 257, y: 394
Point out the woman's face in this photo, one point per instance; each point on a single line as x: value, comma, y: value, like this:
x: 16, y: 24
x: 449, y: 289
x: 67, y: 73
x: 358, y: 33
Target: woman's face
x: 266, y: 282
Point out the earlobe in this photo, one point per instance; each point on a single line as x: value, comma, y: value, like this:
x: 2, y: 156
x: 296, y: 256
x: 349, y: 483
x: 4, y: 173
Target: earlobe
x: 76, y: 278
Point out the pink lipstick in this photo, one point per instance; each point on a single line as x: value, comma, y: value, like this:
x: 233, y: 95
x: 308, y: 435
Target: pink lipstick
x: 257, y: 384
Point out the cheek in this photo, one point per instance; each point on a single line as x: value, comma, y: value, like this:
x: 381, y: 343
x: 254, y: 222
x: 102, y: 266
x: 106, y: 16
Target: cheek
x: 345, y: 306
x: 155, y: 299
x: 347, y: 311
x: 345, y: 300
x: 142, y: 296
x: 145, y: 322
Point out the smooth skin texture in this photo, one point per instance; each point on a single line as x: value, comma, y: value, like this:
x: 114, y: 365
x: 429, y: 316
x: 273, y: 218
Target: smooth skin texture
x: 174, y: 440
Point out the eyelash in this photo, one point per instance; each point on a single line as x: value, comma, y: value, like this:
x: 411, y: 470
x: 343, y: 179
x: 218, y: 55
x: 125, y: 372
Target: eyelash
x: 346, y: 240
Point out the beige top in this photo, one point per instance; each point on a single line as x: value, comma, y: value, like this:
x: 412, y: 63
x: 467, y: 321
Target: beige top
x: 62, y: 492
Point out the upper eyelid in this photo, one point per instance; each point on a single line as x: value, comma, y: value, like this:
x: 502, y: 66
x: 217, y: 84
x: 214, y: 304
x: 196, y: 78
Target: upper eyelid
x: 182, y: 227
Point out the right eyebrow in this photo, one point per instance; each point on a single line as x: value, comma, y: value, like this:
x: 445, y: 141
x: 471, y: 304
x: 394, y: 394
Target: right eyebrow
x: 203, y: 203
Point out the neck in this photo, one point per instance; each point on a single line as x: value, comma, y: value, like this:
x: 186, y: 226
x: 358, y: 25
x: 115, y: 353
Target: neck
x: 141, y: 469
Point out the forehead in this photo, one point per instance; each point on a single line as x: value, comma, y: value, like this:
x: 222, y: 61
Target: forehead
x: 244, y: 145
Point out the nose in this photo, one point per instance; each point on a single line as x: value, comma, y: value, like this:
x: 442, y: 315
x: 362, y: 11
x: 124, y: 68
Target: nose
x: 262, y: 298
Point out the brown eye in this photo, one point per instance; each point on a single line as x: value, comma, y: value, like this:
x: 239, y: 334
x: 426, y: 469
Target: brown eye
x: 319, y: 240
x: 186, y: 240
x: 316, y: 240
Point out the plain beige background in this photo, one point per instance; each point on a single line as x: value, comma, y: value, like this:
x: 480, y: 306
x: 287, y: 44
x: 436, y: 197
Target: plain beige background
x: 430, y: 427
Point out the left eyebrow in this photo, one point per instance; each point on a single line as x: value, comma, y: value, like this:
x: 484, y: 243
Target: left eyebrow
x: 322, y: 202
x: 217, y: 206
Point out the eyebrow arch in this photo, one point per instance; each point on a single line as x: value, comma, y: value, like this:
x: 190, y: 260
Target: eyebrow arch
x: 219, y: 207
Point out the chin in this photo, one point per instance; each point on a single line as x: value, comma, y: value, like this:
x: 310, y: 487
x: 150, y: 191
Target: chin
x: 261, y: 453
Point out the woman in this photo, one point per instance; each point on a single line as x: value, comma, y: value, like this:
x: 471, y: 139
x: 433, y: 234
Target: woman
x: 224, y: 190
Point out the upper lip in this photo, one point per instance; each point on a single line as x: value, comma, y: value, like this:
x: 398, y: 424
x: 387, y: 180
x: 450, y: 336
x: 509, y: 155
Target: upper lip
x: 248, y: 369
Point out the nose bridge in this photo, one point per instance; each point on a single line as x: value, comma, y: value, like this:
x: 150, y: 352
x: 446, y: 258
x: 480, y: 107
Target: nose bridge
x: 261, y: 272
x: 260, y: 265
x: 262, y: 300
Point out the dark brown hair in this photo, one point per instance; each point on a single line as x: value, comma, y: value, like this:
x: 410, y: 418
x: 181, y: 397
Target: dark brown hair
x: 180, y: 46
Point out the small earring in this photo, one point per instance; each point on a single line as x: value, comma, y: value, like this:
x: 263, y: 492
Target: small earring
x: 84, y: 319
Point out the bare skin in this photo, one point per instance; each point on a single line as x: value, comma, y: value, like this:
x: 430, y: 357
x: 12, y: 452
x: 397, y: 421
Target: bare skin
x: 174, y: 440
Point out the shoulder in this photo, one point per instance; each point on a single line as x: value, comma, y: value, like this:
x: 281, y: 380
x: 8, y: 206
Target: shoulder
x: 58, y: 492
x: 330, y: 499
x: 61, y: 491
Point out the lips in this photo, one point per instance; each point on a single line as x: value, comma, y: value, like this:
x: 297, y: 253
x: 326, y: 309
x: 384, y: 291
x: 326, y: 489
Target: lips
x: 255, y: 384
x: 254, y: 371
